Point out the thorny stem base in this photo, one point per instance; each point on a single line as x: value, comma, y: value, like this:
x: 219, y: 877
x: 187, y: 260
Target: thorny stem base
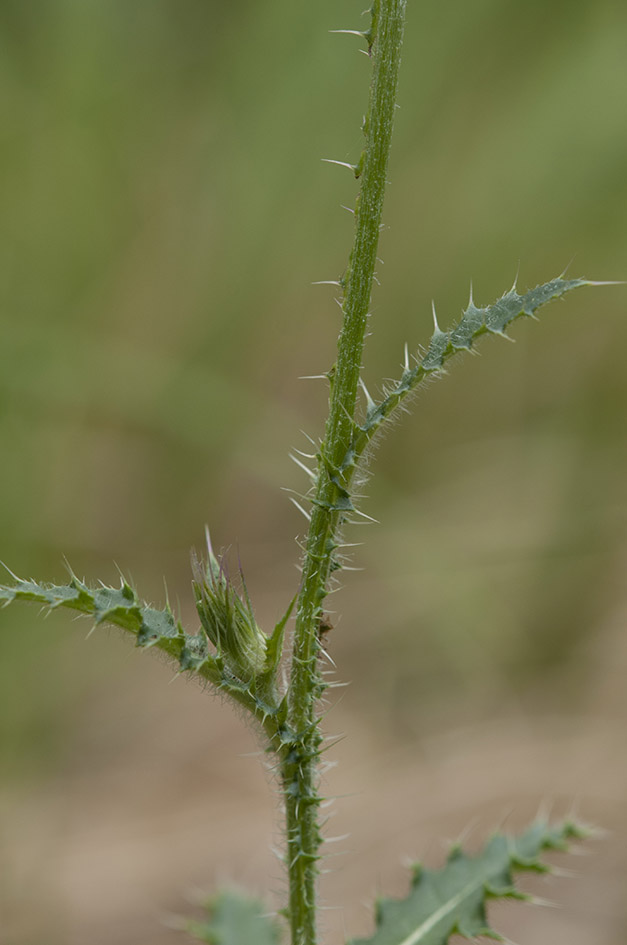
x: 299, y: 756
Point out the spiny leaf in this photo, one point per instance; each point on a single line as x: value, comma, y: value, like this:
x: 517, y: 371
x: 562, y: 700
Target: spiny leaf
x: 121, y: 607
x: 158, y: 628
x: 475, y: 321
x: 453, y: 900
x: 235, y: 920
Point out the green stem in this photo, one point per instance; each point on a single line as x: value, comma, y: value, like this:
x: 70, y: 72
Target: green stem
x: 300, y: 753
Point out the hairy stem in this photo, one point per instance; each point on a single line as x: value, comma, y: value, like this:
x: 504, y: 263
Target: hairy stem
x: 300, y: 755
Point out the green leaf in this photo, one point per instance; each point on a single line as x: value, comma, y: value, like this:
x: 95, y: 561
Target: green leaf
x: 235, y: 920
x: 274, y: 645
x: 151, y: 627
x: 453, y: 900
x: 121, y: 607
x: 475, y: 322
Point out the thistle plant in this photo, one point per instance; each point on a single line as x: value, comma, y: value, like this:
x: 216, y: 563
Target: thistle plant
x: 278, y: 677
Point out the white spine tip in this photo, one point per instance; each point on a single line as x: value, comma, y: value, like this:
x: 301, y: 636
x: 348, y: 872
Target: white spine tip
x: 13, y: 575
x: 366, y: 392
x: 208, y: 542
x: 307, y: 437
x: 300, y: 508
x: 435, y: 317
x: 303, y: 466
x: 544, y: 903
x: 567, y: 267
x: 515, y: 283
x: 349, y: 32
x: 606, y: 282
x: 367, y: 518
x: 351, y: 167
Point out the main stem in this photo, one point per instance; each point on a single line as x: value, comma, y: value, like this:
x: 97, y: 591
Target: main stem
x: 301, y: 745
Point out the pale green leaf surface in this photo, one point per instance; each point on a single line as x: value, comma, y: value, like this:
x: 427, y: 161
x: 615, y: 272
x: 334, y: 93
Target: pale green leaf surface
x: 453, y: 900
x: 235, y: 920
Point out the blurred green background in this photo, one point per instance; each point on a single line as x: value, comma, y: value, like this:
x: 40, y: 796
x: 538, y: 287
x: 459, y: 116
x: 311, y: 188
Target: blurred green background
x: 164, y: 213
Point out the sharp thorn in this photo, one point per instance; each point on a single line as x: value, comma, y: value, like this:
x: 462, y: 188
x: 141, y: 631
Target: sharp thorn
x: 513, y: 288
x: 435, y: 317
x: 208, y: 542
x: 606, y: 282
x: 351, y: 167
x: 14, y: 576
x: 296, y: 460
x: 300, y: 508
x: 539, y: 901
x: 327, y: 656
x: 350, y: 32
x: 299, y: 495
x: 567, y: 266
x: 366, y: 392
x: 165, y: 590
x: 307, y: 437
x: 367, y: 517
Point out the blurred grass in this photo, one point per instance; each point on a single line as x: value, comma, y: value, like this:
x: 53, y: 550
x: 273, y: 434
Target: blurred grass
x: 165, y: 210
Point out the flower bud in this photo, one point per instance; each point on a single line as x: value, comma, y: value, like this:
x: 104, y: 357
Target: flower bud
x: 227, y: 617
